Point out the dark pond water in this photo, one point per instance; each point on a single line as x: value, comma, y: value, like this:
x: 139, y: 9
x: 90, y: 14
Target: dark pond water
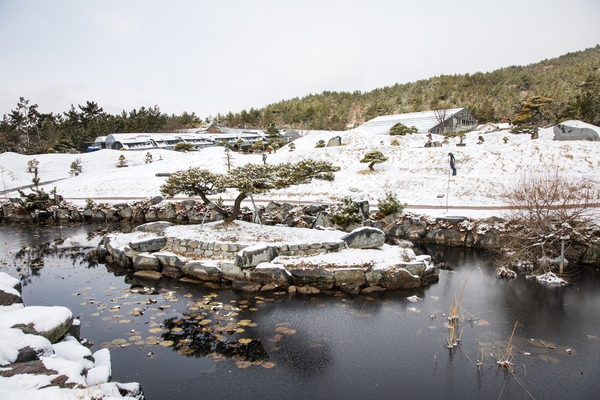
x: 194, y: 341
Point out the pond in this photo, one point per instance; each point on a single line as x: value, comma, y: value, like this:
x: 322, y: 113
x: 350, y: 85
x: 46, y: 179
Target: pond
x: 184, y: 340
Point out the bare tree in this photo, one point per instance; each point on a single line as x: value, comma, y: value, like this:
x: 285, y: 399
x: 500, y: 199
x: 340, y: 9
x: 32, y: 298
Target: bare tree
x: 547, y: 211
x: 440, y: 117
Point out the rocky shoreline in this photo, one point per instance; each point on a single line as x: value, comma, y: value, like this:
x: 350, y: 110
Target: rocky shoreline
x: 43, y: 356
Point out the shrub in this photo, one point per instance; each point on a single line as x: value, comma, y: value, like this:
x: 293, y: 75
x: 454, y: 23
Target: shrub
x: 390, y: 204
x: 320, y: 143
x: 395, y: 142
x: 346, y: 212
x: 183, y: 146
x: 401, y: 129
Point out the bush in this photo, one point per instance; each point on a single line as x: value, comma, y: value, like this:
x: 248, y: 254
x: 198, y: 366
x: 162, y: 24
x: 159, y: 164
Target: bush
x: 390, y: 204
x: 183, y: 146
x: 346, y: 212
x: 320, y: 143
x: 401, y: 129
x: 395, y: 142
x: 545, y: 210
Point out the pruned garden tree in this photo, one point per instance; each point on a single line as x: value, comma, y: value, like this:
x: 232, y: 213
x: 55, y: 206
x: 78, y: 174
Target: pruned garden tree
x: 545, y: 210
x: 374, y: 157
x: 400, y: 129
x: 530, y: 116
x: 247, y: 179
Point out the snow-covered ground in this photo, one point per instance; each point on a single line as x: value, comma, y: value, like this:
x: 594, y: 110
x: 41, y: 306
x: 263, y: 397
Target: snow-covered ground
x: 417, y: 175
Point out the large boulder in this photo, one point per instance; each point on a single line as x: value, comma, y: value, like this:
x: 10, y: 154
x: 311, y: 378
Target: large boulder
x: 446, y: 237
x: 350, y: 277
x: 365, y: 238
x: 49, y: 322
x: 576, y: 130
x: 334, y: 141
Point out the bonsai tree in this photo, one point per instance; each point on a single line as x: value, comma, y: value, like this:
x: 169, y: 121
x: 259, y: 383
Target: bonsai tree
x: 505, y: 138
x: 258, y: 145
x: 247, y: 179
x: 122, y: 161
x: 400, y: 129
x: 530, y: 116
x: 148, y: 157
x: 374, y: 157
x: 320, y: 143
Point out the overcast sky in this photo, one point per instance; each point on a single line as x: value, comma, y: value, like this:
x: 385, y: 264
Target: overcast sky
x: 218, y: 56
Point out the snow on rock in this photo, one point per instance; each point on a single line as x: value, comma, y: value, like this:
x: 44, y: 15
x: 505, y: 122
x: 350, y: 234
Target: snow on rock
x: 10, y: 290
x: 551, y: 279
x: 50, y: 322
x: 102, y: 358
x: 13, y: 341
x: 70, y: 349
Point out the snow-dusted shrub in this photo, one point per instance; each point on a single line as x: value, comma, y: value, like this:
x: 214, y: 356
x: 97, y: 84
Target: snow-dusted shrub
x: 320, y: 143
x: 390, y: 204
x: 346, y: 212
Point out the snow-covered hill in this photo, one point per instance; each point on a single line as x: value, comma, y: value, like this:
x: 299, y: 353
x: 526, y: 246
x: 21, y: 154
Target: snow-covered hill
x: 416, y: 174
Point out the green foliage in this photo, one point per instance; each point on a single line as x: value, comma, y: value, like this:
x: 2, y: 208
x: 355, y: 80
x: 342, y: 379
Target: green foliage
x: 401, y: 129
x: 258, y: 145
x: 122, y: 161
x: 390, y: 204
x: 38, y: 199
x: 530, y: 115
x: 247, y: 179
x: 320, y: 143
x: 374, y: 157
x: 586, y: 105
x: 183, y: 146
x: 395, y: 142
x: 346, y: 212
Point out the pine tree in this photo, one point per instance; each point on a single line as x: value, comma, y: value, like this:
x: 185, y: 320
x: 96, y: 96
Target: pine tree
x: 374, y: 157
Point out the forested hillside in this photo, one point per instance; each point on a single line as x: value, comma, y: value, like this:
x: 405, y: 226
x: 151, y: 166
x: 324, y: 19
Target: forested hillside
x: 572, y: 81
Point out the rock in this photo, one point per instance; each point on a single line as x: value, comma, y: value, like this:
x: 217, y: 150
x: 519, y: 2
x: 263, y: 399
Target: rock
x: 375, y: 276
x: 157, y: 227
x: 49, y: 322
x: 144, y: 274
x: 253, y: 255
x: 349, y: 277
x: 591, y: 256
x: 167, y: 212
x: 10, y: 290
x: 125, y: 211
x: 334, y: 141
x: 373, y: 289
x: 307, y: 290
x: 365, y: 238
x: 272, y: 206
x: 446, y: 237
x: 202, y: 271
x: 266, y: 273
x: 451, y: 219
x: 314, y: 209
x: 399, y: 278
x: 154, y: 200
x: 489, y: 239
x: 363, y: 208
x: 576, y: 130
x: 232, y: 272
x: 151, y: 215
x: 320, y: 278
x: 246, y: 286
x: 323, y: 220
x: 149, y: 244
x: 18, y: 346
x: 351, y: 289
x: 171, y: 264
x: 146, y: 262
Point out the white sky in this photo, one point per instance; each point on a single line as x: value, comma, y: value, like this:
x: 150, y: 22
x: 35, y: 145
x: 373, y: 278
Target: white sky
x: 220, y: 56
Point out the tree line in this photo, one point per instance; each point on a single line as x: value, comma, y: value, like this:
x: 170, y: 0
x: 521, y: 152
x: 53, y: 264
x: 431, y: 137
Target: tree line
x: 571, y: 83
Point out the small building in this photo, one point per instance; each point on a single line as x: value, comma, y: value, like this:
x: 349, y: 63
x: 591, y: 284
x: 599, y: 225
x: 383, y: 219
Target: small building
x: 454, y: 120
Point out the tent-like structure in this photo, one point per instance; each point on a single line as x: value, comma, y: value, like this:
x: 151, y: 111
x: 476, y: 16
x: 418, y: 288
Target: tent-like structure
x: 455, y: 120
